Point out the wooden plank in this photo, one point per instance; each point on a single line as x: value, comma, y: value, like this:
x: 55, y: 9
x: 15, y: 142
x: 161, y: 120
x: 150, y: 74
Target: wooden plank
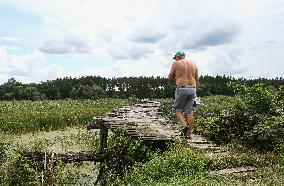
x: 103, y: 138
x: 235, y: 170
x: 137, y: 121
x: 96, y: 125
x: 66, y: 157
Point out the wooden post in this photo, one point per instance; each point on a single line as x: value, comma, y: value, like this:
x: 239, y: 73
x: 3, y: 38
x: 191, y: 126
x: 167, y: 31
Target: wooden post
x: 99, y: 124
x: 103, y: 138
x: 103, y: 146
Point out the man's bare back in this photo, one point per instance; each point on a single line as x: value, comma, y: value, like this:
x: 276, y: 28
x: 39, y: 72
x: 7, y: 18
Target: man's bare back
x: 185, y: 72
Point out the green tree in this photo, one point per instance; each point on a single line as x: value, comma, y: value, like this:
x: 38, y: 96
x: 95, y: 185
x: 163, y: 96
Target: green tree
x: 88, y: 92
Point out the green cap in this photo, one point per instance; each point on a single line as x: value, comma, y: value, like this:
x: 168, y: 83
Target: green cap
x: 179, y: 54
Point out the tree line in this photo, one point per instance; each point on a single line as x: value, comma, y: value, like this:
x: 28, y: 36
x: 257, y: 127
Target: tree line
x: 94, y: 87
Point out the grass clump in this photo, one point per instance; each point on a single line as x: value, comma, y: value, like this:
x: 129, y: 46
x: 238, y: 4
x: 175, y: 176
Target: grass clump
x: 177, y: 162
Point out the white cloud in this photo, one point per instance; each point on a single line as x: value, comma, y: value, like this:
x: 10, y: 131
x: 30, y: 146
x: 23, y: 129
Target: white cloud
x: 147, y: 34
x: 10, y: 39
x: 26, y: 68
x: 129, y: 50
x: 155, y: 65
x: 65, y: 44
x: 140, y: 37
x: 219, y: 60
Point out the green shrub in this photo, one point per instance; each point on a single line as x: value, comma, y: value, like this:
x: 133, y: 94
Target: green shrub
x: 211, y: 119
x: 124, y: 153
x: 3, y: 157
x: 267, y: 135
x: 173, y: 163
x: 21, y: 173
x: 254, y: 117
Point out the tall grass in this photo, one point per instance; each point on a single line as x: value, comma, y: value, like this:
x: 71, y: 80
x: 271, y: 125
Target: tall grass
x: 31, y: 116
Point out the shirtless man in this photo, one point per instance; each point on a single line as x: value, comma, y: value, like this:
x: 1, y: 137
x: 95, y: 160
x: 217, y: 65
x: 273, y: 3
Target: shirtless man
x: 186, y: 75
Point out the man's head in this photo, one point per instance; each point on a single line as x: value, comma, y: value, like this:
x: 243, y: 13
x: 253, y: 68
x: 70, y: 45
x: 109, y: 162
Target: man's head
x: 179, y: 55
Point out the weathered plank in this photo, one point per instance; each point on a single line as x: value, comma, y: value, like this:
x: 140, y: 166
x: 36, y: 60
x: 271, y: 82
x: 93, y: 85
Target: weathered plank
x: 67, y: 157
x: 235, y: 170
x: 142, y: 119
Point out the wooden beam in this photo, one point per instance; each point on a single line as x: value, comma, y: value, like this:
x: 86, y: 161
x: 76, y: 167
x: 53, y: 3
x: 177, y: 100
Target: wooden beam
x: 99, y: 124
x: 68, y: 157
x: 103, y: 138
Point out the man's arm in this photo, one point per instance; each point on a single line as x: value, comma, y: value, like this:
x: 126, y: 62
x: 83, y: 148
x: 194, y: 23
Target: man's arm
x: 196, y: 78
x: 172, y: 72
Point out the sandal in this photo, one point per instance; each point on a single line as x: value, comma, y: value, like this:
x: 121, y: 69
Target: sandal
x: 184, y: 132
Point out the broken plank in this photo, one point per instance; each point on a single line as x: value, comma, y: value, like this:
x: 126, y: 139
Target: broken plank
x: 66, y: 157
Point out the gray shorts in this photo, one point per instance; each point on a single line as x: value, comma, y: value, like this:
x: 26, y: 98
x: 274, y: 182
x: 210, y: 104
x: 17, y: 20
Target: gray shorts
x: 184, y: 99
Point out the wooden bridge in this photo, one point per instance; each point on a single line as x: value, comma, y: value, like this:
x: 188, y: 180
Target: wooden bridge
x: 142, y: 120
x: 145, y: 121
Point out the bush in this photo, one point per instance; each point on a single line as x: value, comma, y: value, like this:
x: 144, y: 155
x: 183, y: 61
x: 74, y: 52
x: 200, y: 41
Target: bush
x: 3, y: 149
x: 267, y: 135
x: 173, y: 163
x: 254, y: 117
x: 125, y: 152
x: 208, y: 118
x: 21, y: 173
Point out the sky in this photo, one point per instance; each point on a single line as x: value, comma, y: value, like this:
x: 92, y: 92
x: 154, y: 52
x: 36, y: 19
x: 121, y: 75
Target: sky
x: 43, y: 40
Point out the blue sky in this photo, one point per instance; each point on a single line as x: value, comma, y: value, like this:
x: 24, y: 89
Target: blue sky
x: 43, y: 40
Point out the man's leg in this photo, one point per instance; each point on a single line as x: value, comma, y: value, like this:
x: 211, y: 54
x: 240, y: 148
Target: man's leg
x: 190, y: 122
x: 181, y: 119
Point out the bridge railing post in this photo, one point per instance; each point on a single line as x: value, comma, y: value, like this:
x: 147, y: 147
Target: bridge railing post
x: 103, y: 138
